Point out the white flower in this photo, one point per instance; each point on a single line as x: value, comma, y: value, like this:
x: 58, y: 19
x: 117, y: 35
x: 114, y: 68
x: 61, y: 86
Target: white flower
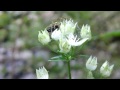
x: 56, y: 34
x: 67, y: 26
x: 85, y: 32
x: 42, y: 73
x: 106, y: 70
x: 91, y: 63
x: 74, y: 41
x: 44, y: 37
x: 64, y: 46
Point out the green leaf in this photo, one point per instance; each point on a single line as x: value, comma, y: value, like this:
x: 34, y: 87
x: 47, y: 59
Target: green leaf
x: 58, y: 58
x: 84, y: 56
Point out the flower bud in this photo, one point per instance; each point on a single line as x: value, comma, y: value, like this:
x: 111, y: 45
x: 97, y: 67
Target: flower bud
x: 91, y: 64
x: 42, y: 73
x: 67, y: 27
x: 64, y: 46
x: 44, y: 37
x: 85, y: 32
x: 106, y: 70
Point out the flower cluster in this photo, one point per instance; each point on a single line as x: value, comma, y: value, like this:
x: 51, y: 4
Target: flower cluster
x: 65, y: 35
x: 66, y: 38
x: 105, y: 69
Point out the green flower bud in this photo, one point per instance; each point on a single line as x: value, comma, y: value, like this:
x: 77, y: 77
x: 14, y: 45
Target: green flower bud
x: 44, y: 37
x: 106, y: 70
x: 64, y: 46
x: 85, y: 32
x: 42, y: 73
x: 91, y: 63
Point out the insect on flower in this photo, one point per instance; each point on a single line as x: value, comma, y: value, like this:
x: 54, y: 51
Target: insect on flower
x: 55, y: 25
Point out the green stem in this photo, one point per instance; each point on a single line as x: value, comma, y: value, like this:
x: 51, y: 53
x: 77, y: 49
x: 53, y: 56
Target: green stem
x: 69, y: 69
x: 101, y: 77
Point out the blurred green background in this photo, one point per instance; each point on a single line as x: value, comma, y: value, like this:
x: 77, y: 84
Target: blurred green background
x: 21, y: 53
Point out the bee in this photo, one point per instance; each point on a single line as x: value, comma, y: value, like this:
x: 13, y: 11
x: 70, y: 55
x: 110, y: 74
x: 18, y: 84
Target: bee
x: 53, y: 27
